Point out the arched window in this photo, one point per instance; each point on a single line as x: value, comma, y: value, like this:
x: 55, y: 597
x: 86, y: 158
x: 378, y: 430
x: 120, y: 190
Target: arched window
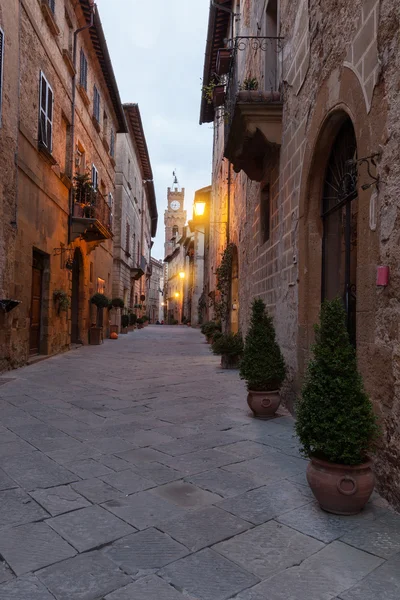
x: 339, y: 214
x: 175, y: 231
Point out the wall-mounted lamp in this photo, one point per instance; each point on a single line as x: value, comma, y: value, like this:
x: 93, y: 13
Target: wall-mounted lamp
x: 182, y: 274
x: 199, y: 208
x: 176, y: 294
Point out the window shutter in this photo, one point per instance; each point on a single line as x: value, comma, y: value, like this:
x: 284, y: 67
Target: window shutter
x: 52, y: 4
x: 83, y: 70
x: 46, y: 113
x: 112, y: 143
x: 96, y: 104
x: 95, y: 177
x: 1, y: 68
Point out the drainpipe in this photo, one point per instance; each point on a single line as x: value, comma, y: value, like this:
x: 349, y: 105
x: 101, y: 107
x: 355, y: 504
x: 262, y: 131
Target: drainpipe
x: 72, y: 151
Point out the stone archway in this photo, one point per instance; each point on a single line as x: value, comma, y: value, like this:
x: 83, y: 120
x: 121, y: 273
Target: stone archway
x: 332, y: 111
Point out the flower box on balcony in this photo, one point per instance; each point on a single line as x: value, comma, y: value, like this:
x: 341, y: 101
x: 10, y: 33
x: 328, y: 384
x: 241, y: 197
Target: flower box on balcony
x: 218, y: 95
x: 223, y: 61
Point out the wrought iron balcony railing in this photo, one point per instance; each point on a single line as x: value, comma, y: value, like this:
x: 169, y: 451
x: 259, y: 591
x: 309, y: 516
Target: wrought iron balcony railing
x: 90, y: 204
x: 254, y: 75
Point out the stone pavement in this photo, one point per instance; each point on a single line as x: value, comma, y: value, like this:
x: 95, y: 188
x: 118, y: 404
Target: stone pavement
x: 133, y: 471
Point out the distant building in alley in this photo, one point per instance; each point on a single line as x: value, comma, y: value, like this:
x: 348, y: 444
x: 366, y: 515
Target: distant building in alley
x: 135, y: 218
x: 155, y: 293
x: 174, y: 220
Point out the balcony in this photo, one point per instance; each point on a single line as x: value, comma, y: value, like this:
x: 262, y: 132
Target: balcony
x: 140, y: 269
x: 92, y: 216
x: 253, y: 108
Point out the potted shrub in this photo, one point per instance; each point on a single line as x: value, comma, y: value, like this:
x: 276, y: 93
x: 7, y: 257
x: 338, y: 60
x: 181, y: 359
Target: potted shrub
x: 115, y: 303
x: 96, y: 331
x: 139, y: 323
x: 209, y: 329
x: 336, y: 424
x: 230, y: 347
x: 145, y: 320
x: 124, y: 323
x: 262, y: 365
x: 132, y: 321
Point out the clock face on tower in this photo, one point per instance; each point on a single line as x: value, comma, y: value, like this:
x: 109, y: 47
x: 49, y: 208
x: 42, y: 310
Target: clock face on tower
x: 175, y: 205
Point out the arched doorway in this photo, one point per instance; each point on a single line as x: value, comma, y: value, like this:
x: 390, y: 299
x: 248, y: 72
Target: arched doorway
x: 77, y: 270
x: 339, y: 215
x: 234, y: 292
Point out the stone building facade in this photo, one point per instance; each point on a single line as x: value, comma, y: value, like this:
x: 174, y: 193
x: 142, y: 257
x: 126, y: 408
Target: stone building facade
x: 135, y: 216
x: 61, y: 113
x: 156, y: 284
x: 306, y: 179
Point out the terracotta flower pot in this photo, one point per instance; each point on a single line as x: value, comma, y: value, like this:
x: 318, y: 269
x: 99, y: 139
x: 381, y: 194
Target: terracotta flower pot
x: 113, y: 329
x: 229, y: 361
x: 264, y: 404
x: 218, y: 95
x: 95, y: 336
x: 340, y: 489
x: 124, y: 330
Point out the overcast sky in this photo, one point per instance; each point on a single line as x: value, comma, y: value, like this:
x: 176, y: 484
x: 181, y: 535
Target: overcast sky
x: 157, y: 50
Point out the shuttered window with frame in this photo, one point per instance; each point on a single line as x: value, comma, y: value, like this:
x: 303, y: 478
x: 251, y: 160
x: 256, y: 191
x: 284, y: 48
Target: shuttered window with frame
x: 52, y: 4
x: 46, y: 114
x: 112, y: 143
x: 96, y: 104
x: 83, y: 71
x: 95, y: 178
x: 1, y: 71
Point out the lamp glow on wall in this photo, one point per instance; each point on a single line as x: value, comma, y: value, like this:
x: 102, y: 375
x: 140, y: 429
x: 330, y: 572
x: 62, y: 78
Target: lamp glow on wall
x: 199, y: 208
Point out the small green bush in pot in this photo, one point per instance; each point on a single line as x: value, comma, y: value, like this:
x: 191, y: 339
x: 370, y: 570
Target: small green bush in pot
x: 262, y: 365
x: 336, y: 424
x: 230, y: 347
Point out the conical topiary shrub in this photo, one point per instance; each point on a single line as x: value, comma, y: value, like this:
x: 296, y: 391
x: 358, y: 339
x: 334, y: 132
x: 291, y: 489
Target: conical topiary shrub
x: 335, y: 418
x: 336, y: 424
x: 262, y: 364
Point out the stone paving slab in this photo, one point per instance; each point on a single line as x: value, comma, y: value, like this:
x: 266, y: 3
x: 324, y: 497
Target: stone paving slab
x: 89, y: 576
x: 144, y: 510
x: 145, y: 551
x: 380, y: 537
x: 88, y: 468
x: 157, y: 473
x: 25, y: 588
x: 265, y: 503
x: 35, y: 470
x: 197, y: 462
x: 185, y: 494
x: 96, y: 490
x: 312, y: 520
x: 381, y: 584
x: 17, y: 508
x: 32, y: 546
x: 323, y: 576
x: 128, y: 481
x: 148, y: 588
x: 5, y: 573
x: 208, y: 576
x: 59, y: 500
x: 204, y: 527
x: 89, y: 528
x: 268, y: 549
x: 225, y: 483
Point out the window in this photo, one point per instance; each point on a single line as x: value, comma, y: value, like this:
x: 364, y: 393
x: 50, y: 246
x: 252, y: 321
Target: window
x: 101, y: 285
x: 95, y: 178
x: 174, y: 231
x: 46, y: 114
x: 112, y: 143
x: 105, y: 125
x: 134, y: 245
x: 84, y: 71
x: 52, y: 4
x: 96, y: 104
x: 127, y: 239
x: 1, y: 68
x: 265, y: 214
x: 111, y: 205
x: 66, y: 135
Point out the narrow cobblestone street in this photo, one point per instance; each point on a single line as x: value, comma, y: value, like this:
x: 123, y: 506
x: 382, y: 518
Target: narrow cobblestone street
x: 133, y: 471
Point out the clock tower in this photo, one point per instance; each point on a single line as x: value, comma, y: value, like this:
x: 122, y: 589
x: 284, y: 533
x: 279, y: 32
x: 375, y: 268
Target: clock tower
x: 174, y: 216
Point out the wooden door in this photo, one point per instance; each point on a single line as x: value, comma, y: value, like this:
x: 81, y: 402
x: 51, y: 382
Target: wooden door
x: 36, y: 309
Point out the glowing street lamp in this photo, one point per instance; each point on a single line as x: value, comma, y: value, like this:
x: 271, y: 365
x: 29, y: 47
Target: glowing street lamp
x: 199, y: 208
x: 176, y: 294
x: 182, y: 274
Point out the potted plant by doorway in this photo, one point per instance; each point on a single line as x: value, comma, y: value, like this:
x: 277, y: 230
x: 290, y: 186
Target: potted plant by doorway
x: 230, y: 347
x: 140, y: 323
x: 124, y: 323
x: 96, y: 331
x: 336, y: 424
x: 262, y: 365
x: 132, y: 320
x: 115, y: 303
x: 209, y: 329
